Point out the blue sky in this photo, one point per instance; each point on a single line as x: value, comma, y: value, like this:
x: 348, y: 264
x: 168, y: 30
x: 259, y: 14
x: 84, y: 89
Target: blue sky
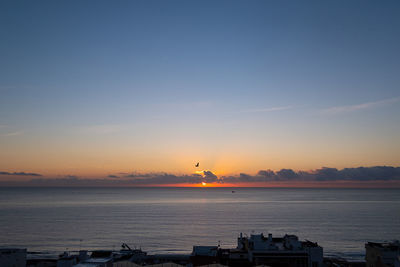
x: 282, y: 83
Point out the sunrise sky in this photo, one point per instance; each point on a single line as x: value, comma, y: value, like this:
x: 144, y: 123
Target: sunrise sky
x: 104, y: 90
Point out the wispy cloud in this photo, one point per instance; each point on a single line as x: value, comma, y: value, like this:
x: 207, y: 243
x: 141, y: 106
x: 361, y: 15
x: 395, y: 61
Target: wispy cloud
x: 6, y: 130
x: 20, y: 173
x: 362, y: 106
x: 12, y: 133
x: 71, y: 177
x: 261, y: 110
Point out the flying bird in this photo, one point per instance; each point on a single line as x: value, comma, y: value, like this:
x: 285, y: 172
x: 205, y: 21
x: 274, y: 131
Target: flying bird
x: 197, y: 165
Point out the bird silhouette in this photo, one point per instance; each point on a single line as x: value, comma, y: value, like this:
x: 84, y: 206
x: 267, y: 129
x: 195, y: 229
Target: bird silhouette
x: 197, y: 165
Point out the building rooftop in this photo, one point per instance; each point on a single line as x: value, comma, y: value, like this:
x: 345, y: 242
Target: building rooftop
x: 98, y: 260
x: 259, y: 242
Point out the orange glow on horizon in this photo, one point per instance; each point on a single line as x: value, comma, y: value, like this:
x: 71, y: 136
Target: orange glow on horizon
x: 298, y: 184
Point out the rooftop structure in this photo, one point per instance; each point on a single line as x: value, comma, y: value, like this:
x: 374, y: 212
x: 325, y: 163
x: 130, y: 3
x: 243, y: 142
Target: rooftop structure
x: 258, y: 249
x: 209, y: 251
x: 275, y: 251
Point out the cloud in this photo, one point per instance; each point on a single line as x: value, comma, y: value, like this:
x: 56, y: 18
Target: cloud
x: 134, y: 179
x: 287, y: 174
x: 369, y: 174
x: 20, y: 173
x: 12, y: 133
x: 67, y: 181
x: 362, y: 106
x: 165, y: 178
x: 324, y: 174
x: 209, y: 177
x: 260, y: 110
x: 138, y: 179
x: 140, y: 175
x: 74, y: 177
x: 6, y: 130
x: 377, y: 173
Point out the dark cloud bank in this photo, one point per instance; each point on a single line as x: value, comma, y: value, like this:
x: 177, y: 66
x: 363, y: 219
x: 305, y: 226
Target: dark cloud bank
x: 378, y: 173
x: 20, y: 173
x: 360, y: 174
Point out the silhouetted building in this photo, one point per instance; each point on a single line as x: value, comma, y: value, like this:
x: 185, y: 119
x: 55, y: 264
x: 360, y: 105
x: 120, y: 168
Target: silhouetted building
x: 285, y: 251
x: 383, y: 254
x: 12, y: 257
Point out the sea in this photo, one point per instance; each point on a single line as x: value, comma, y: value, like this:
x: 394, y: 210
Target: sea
x: 173, y: 220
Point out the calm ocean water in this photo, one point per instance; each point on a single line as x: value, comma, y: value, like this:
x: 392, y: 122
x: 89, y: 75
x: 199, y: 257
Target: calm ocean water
x: 172, y: 220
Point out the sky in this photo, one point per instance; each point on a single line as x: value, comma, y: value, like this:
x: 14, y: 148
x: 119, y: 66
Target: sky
x: 93, y: 89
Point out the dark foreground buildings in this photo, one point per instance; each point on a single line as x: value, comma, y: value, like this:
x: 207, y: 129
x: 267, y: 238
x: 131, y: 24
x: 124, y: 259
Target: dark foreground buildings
x: 382, y: 254
x: 253, y: 250
x: 258, y: 249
